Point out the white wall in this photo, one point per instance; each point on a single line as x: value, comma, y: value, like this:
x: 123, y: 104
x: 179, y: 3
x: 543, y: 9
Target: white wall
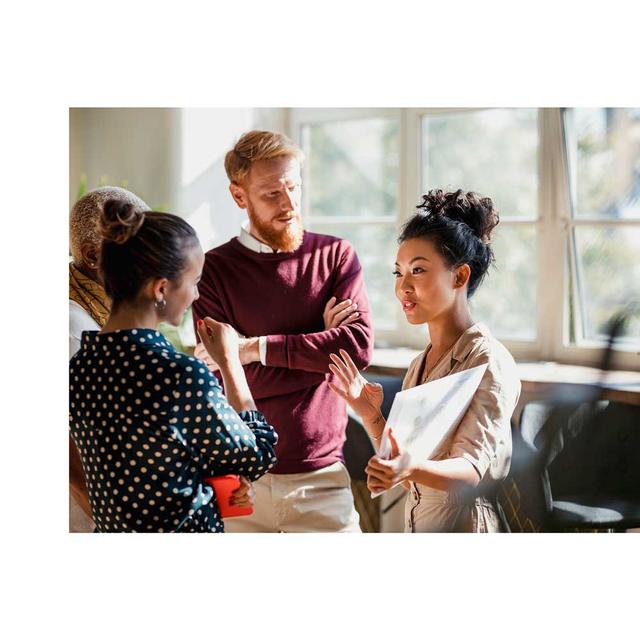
x: 131, y: 145
x: 172, y: 158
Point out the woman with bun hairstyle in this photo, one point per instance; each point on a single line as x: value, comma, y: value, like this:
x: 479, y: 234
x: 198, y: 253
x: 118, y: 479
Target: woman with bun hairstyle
x: 151, y: 423
x: 443, y: 256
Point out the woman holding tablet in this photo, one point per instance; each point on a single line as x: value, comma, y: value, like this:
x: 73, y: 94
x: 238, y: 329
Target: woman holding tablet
x: 443, y: 256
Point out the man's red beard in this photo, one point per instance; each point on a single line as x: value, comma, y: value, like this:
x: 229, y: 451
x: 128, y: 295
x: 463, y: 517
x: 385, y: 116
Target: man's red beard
x: 287, y: 239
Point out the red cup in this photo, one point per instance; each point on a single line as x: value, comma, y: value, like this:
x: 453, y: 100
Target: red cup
x: 224, y: 486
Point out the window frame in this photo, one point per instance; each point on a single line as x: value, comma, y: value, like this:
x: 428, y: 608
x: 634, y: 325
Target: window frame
x: 555, y: 230
x: 572, y: 223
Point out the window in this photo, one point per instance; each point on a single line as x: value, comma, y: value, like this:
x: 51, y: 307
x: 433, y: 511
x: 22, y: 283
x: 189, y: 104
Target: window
x: 494, y: 152
x: 350, y: 189
x: 603, y: 147
x: 566, y: 184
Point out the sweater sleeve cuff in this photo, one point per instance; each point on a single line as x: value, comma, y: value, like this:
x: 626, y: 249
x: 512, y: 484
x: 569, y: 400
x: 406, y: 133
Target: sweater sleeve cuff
x: 276, y: 351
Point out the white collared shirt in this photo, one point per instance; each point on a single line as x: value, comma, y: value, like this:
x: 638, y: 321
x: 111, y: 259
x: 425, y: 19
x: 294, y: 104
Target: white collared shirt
x: 250, y: 242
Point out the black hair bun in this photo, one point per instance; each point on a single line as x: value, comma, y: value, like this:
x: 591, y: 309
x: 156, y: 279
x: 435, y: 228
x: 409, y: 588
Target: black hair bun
x: 120, y: 221
x: 476, y: 211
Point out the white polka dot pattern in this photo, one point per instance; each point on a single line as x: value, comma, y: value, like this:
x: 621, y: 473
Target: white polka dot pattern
x: 150, y: 424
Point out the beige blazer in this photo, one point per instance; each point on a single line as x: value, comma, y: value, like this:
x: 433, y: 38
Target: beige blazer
x: 483, y: 436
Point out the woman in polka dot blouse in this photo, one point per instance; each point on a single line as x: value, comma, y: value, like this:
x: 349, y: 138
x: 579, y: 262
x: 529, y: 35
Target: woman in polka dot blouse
x: 150, y: 423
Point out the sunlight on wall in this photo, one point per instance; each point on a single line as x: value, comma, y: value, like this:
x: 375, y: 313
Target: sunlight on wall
x: 202, y: 189
x: 202, y: 221
x: 206, y: 135
x: 172, y: 158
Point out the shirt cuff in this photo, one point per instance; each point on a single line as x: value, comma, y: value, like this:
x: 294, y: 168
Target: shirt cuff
x: 277, y: 351
x: 262, y: 348
x: 252, y: 416
x: 480, y: 460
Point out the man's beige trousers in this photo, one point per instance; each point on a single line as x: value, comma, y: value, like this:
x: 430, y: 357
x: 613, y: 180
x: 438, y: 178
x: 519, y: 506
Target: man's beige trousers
x: 318, y: 501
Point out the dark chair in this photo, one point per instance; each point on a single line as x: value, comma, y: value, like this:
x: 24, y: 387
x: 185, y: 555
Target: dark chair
x: 575, y: 467
x: 357, y: 449
x: 595, y: 479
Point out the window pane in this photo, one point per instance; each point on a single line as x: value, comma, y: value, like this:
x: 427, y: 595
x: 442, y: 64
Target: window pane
x: 506, y: 300
x: 493, y: 152
x: 376, y: 247
x: 607, y: 154
x: 610, y: 277
x: 352, y: 167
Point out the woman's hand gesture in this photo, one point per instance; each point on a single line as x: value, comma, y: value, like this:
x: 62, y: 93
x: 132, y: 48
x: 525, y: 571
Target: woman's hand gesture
x: 382, y: 474
x: 220, y: 341
x: 365, y: 398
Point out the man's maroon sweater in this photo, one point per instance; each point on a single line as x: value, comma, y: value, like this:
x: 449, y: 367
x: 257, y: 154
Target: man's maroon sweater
x: 283, y: 296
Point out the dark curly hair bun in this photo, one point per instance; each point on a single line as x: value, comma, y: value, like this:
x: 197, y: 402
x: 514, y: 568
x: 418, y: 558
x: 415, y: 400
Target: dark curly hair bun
x: 474, y: 210
x: 459, y: 224
x: 120, y: 221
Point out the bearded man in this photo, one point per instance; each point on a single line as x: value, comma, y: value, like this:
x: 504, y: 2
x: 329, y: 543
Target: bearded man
x: 295, y: 297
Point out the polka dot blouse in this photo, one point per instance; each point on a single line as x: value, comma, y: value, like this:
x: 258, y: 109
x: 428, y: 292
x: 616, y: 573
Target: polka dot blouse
x: 150, y: 423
